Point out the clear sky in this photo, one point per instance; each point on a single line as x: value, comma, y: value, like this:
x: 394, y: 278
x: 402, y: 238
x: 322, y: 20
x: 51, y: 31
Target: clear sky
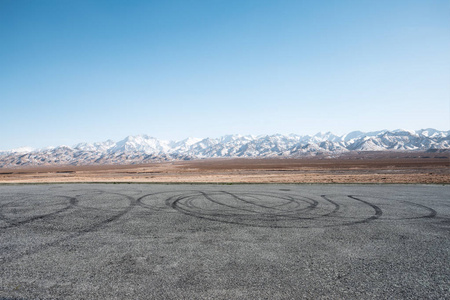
x: 73, y: 71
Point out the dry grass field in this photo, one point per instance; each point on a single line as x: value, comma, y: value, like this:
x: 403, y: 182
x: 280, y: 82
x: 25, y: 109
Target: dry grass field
x: 376, y: 167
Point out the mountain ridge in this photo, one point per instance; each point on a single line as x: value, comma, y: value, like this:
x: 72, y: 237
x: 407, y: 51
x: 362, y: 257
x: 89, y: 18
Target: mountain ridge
x: 144, y: 148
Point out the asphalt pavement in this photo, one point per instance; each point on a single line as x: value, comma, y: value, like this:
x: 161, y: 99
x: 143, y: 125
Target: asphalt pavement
x: 261, y: 241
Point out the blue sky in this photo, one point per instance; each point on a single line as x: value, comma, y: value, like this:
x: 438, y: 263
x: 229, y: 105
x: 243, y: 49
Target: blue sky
x: 73, y: 71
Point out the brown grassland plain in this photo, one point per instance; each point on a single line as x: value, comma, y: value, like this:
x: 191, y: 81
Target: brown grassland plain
x: 368, y: 167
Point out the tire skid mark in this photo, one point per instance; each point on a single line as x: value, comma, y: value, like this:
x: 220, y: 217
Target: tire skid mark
x: 188, y: 203
x: 336, y: 206
x: 74, y: 235
x: 247, y: 209
x: 226, y: 205
x: 213, y: 212
x: 313, y: 204
x: 174, y: 205
x: 287, y: 197
x: 14, y: 223
x: 97, y: 208
x: 227, y: 221
x: 432, y: 213
x: 164, y: 206
x: 378, y: 211
x: 262, y: 216
x: 187, y: 207
x: 185, y: 204
x: 276, y: 207
x: 113, y: 218
x: 232, y: 213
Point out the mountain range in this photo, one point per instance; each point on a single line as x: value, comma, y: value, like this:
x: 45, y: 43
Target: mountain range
x: 145, y: 149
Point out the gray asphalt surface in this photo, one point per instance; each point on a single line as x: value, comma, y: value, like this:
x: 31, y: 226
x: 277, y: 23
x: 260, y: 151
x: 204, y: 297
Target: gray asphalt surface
x: 138, y: 241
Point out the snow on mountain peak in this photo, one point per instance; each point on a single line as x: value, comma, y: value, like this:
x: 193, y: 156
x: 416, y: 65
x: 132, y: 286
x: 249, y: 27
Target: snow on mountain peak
x: 144, y: 148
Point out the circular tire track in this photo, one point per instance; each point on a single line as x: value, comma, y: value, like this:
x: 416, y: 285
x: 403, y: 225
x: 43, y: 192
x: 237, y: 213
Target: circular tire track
x: 70, y: 203
x: 427, y: 212
x: 154, y: 202
x: 283, y: 210
x: 256, y: 209
x: 73, y: 203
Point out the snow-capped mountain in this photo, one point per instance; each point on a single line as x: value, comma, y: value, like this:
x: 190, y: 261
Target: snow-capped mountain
x: 144, y: 148
x: 141, y: 143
